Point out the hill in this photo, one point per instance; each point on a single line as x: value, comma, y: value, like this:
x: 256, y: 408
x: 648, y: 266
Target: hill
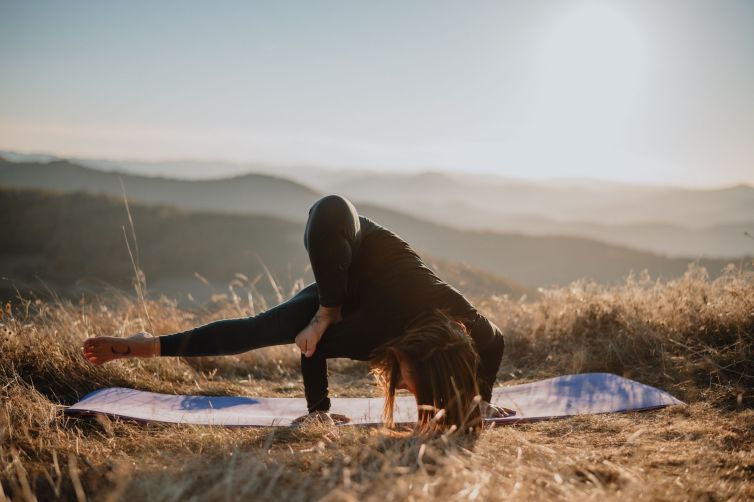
x: 533, y: 261
x: 691, y: 337
x: 723, y: 240
x: 249, y: 194
x: 69, y: 239
x: 671, y: 221
x: 664, y: 220
x: 606, y: 204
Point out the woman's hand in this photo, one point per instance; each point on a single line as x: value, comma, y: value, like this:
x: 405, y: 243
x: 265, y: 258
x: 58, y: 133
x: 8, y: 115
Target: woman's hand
x: 310, y: 336
x: 493, y: 411
x: 321, y: 417
x: 102, y: 349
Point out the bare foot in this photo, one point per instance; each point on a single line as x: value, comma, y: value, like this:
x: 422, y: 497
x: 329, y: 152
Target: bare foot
x: 321, y: 417
x: 102, y: 349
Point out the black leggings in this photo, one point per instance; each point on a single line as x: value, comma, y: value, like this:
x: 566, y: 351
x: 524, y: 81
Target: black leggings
x: 276, y: 326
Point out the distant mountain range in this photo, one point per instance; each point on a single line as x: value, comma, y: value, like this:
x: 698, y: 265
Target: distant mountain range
x: 720, y: 240
x: 249, y: 194
x: 664, y: 220
x: 675, y: 222
x: 527, y: 260
x: 607, y: 205
x: 77, y: 242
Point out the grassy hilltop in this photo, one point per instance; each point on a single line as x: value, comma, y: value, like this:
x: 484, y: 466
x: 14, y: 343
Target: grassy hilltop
x: 690, y: 333
x: 692, y: 336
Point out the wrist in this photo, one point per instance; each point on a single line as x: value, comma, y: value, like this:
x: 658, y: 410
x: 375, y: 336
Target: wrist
x: 329, y: 313
x: 146, y: 347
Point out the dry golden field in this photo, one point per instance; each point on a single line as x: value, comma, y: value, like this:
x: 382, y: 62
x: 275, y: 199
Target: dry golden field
x: 693, y: 337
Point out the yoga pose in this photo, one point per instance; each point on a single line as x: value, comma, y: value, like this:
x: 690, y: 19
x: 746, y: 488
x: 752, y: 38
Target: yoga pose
x: 373, y: 300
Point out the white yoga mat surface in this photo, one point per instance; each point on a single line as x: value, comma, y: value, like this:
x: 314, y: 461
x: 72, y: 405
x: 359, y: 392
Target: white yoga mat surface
x: 564, y: 396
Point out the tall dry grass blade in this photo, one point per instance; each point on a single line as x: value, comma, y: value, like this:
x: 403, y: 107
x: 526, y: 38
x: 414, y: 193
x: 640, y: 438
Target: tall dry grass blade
x: 140, y: 278
x: 73, y: 471
x: 22, y: 477
x: 58, y: 474
x: 130, y: 219
x: 234, y: 296
x: 252, y: 312
x: 205, y: 281
x: 275, y: 286
x: 253, y: 289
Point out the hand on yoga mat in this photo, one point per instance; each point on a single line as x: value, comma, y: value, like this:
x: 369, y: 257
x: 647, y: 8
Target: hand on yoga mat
x: 310, y: 336
x: 102, y: 349
x: 493, y: 411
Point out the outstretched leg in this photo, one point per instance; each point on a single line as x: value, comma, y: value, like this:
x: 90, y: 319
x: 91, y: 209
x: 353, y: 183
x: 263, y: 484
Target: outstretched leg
x: 276, y: 326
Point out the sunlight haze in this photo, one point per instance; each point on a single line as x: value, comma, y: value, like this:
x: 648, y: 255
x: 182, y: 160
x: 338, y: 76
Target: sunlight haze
x: 629, y: 91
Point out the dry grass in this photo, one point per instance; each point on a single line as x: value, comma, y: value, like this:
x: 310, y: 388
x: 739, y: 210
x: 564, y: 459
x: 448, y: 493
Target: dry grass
x: 691, y: 336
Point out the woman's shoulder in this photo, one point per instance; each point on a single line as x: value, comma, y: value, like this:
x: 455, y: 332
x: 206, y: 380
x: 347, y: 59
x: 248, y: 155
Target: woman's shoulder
x: 368, y: 225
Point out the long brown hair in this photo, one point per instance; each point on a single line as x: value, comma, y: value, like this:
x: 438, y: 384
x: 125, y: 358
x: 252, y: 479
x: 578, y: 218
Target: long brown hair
x: 444, y: 364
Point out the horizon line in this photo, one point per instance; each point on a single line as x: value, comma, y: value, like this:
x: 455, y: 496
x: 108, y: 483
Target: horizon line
x: 417, y: 170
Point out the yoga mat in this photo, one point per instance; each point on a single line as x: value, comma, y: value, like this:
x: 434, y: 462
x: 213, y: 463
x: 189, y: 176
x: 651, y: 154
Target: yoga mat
x: 565, y: 396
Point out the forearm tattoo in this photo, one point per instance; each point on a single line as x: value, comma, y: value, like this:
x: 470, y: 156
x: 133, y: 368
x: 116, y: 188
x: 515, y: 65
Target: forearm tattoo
x: 128, y: 351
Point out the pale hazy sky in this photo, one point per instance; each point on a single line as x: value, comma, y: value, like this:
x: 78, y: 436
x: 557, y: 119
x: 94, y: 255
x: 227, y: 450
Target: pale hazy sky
x: 657, y: 91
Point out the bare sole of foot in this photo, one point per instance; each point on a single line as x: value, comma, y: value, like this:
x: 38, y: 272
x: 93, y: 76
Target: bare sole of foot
x: 322, y: 418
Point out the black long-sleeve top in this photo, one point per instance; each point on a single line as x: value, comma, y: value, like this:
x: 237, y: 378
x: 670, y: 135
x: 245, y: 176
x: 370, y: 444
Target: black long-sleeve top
x: 379, y: 282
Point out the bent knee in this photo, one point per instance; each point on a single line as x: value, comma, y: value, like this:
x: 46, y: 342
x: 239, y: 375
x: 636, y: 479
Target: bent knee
x: 331, y: 213
x: 331, y: 203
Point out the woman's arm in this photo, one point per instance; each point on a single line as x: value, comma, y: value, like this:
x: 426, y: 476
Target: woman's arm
x: 489, y: 344
x: 310, y: 336
x: 102, y: 349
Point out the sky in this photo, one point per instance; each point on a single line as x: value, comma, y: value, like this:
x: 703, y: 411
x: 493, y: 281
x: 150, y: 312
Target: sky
x: 637, y: 91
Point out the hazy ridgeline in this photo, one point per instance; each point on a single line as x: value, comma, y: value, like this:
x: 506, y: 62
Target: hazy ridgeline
x: 670, y: 221
x: 74, y: 237
x: 76, y: 243
x: 691, y: 336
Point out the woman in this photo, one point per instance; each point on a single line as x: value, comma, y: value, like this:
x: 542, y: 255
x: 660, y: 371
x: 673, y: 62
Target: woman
x: 374, y: 300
